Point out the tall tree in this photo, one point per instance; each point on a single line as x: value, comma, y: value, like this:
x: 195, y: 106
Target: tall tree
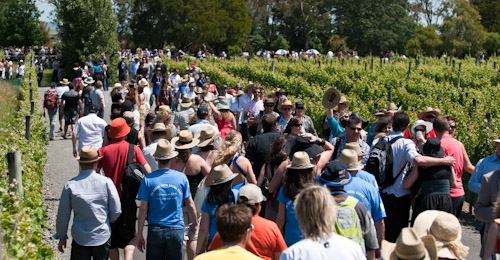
x: 429, y: 10
x: 123, y: 11
x: 19, y: 24
x: 87, y: 27
x: 462, y: 32
x: 426, y: 41
x: 301, y: 20
x: 490, y: 14
x: 375, y: 26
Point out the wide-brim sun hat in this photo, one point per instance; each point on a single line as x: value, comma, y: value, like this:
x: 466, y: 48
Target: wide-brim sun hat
x: 64, y: 82
x: 428, y: 126
x: 88, y: 154
x: 185, y: 140
x: 206, y: 135
x: 117, y: 85
x: 344, y: 100
x: 410, y: 246
x: 186, y: 102
x: 335, y: 174
x: 351, y: 159
x: 355, y: 146
x: 143, y: 82
x: 160, y: 127
x: 300, y: 161
x: 89, y: 81
x: 446, y: 230
x: 222, y: 174
x: 223, y: 104
x: 331, y: 98
x: 496, y: 141
x: 164, y: 151
x: 118, y: 128
x: 428, y: 110
x: 287, y: 103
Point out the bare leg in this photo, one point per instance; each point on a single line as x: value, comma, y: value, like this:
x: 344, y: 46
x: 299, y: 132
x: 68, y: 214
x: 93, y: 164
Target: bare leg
x: 114, y: 254
x: 129, y: 252
x: 191, y: 249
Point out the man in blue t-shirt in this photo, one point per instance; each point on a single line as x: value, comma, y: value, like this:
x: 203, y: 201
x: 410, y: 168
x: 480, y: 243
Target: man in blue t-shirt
x: 162, y: 194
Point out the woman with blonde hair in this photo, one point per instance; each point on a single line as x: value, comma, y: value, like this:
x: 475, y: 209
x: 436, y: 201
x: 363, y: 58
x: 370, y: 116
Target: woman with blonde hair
x: 227, y: 153
x: 315, y: 211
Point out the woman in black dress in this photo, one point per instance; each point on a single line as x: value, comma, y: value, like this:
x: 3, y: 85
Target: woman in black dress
x: 431, y: 184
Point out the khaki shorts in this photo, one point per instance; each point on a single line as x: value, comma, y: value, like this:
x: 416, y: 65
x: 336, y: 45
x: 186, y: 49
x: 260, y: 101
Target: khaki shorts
x: 193, y: 237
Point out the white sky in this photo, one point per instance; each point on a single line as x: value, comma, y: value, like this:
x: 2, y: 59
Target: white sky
x: 45, y: 9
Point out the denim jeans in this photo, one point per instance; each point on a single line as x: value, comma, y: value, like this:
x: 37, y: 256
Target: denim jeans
x: 163, y: 242
x: 79, y: 252
x: 52, y: 121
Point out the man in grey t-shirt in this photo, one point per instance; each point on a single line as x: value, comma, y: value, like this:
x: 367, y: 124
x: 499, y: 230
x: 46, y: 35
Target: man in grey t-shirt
x: 98, y: 98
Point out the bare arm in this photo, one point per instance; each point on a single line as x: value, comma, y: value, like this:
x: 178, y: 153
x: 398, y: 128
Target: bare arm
x: 203, y: 234
x: 278, y: 177
x: 427, y: 161
x: 233, y: 123
x: 453, y: 179
x: 468, y: 167
x: 410, y: 178
x: 205, y: 168
x: 261, y: 175
x: 193, y: 225
x: 147, y: 167
x: 380, y: 227
x: 491, y: 241
x: 216, y: 112
x: 280, y: 219
x: 324, y: 157
x: 143, y: 210
x: 73, y: 139
x: 249, y: 170
x: 329, y: 114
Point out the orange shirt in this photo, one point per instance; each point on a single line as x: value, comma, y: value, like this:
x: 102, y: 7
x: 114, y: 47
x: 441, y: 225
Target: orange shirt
x: 265, y: 241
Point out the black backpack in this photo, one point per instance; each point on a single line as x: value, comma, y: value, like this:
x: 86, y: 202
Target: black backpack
x: 134, y: 173
x: 380, y: 163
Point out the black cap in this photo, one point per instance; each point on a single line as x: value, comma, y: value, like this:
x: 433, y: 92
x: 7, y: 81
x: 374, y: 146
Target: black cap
x: 269, y: 101
x: 335, y: 174
x: 93, y: 109
x: 127, y: 106
x: 299, y: 104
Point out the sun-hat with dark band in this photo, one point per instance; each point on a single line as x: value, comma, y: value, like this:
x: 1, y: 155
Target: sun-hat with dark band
x: 164, y: 151
x: 222, y: 174
x: 88, y: 154
x: 185, y: 140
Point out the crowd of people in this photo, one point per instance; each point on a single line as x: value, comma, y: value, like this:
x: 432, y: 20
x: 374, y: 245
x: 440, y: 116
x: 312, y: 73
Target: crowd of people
x: 242, y: 172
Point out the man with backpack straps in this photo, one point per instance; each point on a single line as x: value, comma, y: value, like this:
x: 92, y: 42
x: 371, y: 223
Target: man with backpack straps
x: 51, y: 99
x: 396, y: 199
x: 114, y: 161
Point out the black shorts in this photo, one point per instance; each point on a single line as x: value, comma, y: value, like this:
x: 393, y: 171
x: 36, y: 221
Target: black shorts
x: 69, y: 117
x: 122, y: 77
x: 123, y: 230
x: 244, y: 132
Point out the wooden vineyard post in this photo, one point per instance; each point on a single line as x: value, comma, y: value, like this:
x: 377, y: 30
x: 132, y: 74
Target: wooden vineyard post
x: 15, y: 170
x: 342, y: 62
x: 389, y: 96
x: 365, y: 65
x: 459, y: 74
x: 409, y: 70
x: 375, y: 107
x: 273, y: 65
x: 488, y: 118
x: 495, y: 65
x: 474, y: 103
x: 371, y: 64
x: 27, y: 134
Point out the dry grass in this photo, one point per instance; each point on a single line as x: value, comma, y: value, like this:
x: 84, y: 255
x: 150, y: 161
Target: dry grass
x: 8, y: 97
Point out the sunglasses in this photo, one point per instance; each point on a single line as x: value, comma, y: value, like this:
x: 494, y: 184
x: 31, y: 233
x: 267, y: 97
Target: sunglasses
x: 356, y: 128
x: 419, y: 129
x: 297, y: 125
x: 269, y: 105
x: 299, y: 108
x: 287, y: 108
x: 453, y: 126
x: 430, y: 116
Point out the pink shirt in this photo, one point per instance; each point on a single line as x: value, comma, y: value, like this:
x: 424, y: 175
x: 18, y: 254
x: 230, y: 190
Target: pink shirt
x: 453, y: 148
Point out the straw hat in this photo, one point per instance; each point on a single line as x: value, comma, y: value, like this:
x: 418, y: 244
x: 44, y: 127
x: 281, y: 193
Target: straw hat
x: 381, y: 112
x: 164, y: 151
x: 206, y: 135
x: 392, y: 107
x: 88, y: 154
x: 186, y: 102
x: 249, y: 85
x: 222, y: 174
x: 331, y: 98
x: 428, y: 110
x: 446, y: 230
x: 428, y: 126
x: 64, y: 82
x: 160, y: 127
x: 143, y: 82
x: 355, y: 146
x: 185, y: 78
x: 496, y: 141
x: 223, y: 104
x: 88, y: 81
x: 185, y: 140
x: 410, y: 247
x: 164, y: 108
x: 350, y: 158
x: 343, y: 100
x: 118, y: 128
x: 300, y: 161
x: 287, y: 103
x: 200, y: 90
x: 117, y: 85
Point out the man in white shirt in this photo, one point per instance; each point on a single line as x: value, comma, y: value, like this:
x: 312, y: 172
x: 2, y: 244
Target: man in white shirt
x: 20, y: 69
x: 89, y: 130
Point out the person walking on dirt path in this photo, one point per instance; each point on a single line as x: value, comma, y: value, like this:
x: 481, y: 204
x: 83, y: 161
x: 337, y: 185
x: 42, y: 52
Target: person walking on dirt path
x: 94, y: 200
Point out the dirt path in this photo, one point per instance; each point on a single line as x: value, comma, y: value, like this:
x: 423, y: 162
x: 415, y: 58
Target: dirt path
x: 60, y: 167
